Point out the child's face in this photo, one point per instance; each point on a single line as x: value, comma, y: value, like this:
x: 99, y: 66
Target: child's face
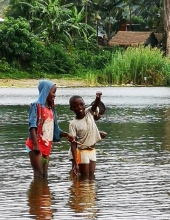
x: 51, y: 95
x: 78, y: 107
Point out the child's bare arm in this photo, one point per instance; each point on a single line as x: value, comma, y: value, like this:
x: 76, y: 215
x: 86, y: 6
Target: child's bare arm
x: 34, y: 139
x: 73, y: 149
x: 102, y: 134
x: 68, y: 136
x: 96, y: 101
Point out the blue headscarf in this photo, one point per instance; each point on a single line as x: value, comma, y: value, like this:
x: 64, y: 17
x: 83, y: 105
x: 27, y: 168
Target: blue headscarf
x: 44, y: 88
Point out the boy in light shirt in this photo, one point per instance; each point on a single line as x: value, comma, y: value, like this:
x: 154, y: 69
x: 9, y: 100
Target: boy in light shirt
x: 86, y: 133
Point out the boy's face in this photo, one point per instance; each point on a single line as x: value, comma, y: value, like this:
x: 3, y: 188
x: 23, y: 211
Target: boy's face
x: 78, y: 107
x: 51, y: 95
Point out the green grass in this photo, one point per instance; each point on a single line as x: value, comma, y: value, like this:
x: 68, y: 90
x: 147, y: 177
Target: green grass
x: 137, y: 63
x: 123, y: 67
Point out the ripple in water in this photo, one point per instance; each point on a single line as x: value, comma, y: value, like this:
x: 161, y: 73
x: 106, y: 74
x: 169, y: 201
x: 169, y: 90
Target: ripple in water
x: 132, y: 179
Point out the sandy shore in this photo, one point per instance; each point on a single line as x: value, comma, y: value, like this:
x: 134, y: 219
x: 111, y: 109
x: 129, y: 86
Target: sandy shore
x: 34, y: 83
x: 28, y: 83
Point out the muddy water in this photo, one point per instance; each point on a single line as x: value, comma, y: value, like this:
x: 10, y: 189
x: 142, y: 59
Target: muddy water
x: 132, y: 179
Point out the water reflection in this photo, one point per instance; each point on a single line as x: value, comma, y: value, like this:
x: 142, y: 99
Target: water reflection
x: 83, y: 196
x: 165, y: 146
x: 39, y: 199
x: 131, y: 179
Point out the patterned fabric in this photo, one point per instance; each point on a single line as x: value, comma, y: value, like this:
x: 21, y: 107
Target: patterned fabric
x: 44, y: 119
x: 45, y: 129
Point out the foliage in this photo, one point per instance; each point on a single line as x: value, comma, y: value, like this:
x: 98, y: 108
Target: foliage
x: 24, y: 51
x: 18, y: 43
x: 141, y: 22
x: 136, y: 63
x: 93, y: 59
x: 53, y: 59
x: 16, y: 9
x: 59, y: 37
x: 5, y: 67
x: 132, y: 65
x: 52, y: 21
x: 152, y: 15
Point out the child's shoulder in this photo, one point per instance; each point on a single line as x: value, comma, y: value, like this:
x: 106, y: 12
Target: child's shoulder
x: 73, y: 120
x: 33, y: 104
x: 88, y: 111
x: 34, y: 107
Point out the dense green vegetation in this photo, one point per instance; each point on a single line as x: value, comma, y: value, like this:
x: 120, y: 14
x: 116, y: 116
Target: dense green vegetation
x: 57, y: 38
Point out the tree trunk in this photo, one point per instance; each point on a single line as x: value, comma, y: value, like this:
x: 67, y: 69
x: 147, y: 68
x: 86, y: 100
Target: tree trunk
x: 86, y: 13
x: 166, y: 8
x: 168, y: 42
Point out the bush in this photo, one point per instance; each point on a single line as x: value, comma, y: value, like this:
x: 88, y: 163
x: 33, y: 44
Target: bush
x: 52, y: 59
x: 137, y: 63
x: 18, y: 43
x: 96, y: 60
x: 25, y: 52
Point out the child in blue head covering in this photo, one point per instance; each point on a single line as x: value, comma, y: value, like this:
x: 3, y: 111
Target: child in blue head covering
x: 43, y: 128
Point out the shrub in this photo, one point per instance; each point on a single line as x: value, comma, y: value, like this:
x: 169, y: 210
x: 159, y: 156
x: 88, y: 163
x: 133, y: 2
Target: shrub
x: 52, y: 58
x: 137, y: 63
x: 18, y: 43
x: 24, y: 51
x: 96, y: 59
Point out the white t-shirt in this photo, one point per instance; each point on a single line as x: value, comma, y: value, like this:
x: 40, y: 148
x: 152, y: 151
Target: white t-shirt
x: 85, y: 130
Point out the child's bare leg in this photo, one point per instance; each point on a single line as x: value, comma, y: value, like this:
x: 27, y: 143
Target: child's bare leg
x: 36, y: 162
x: 84, y: 169
x: 45, y: 166
x: 92, y: 167
x: 72, y: 162
x: 87, y: 169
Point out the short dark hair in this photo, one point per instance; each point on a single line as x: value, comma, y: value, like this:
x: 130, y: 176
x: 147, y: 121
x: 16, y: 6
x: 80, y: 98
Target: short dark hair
x: 73, y: 98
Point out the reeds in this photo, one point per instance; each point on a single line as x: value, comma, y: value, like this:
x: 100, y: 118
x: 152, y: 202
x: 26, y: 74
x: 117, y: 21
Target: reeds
x: 140, y: 65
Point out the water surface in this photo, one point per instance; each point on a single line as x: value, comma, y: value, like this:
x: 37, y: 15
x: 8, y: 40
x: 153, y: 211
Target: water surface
x: 132, y: 178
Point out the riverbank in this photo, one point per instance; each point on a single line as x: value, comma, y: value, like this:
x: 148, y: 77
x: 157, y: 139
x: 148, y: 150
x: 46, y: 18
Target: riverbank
x: 28, y: 83
x: 25, y: 83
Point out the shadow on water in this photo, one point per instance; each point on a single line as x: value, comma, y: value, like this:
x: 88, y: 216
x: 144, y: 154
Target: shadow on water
x: 132, y: 178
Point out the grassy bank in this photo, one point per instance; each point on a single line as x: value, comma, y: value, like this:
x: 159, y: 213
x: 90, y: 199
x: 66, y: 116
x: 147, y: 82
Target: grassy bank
x: 138, y: 66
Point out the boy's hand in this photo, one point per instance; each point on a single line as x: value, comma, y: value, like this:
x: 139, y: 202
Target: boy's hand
x: 102, y: 134
x: 70, y: 137
x: 36, y: 149
x: 76, y: 169
x: 98, y: 94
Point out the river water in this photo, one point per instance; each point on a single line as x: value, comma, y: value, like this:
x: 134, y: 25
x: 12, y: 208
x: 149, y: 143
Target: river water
x: 132, y: 178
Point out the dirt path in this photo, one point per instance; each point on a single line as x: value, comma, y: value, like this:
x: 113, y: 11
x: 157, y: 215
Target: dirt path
x: 34, y: 83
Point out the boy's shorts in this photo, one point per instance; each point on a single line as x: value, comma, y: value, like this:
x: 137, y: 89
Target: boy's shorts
x: 85, y: 156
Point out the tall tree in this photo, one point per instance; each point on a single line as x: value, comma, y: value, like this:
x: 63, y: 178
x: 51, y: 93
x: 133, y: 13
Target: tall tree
x: 131, y: 6
x: 75, y: 25
x: 166, y: 10
x: 111, y: 14
x: 151, y: 12
x: 86, y: 4
x: 47, y: 18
